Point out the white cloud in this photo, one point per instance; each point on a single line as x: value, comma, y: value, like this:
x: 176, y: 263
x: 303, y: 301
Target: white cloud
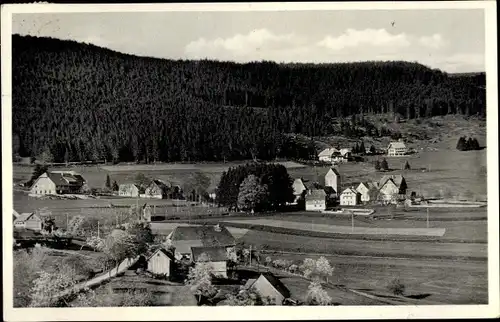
x: 351, y: 45
x: 367, y: 37
x: 435, y: 41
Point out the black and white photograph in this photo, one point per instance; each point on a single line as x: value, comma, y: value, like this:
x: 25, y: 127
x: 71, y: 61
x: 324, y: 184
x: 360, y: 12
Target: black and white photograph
x: 333, y: 157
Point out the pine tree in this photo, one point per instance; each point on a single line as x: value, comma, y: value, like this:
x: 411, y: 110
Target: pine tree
x: 115, y: 186
x: 462, y: 144
x: 407, y: 165
x: 362, y: 148
x: 108, y: 182
x: 384, y: 165
x: 377, y: 165
x: 373, y: 150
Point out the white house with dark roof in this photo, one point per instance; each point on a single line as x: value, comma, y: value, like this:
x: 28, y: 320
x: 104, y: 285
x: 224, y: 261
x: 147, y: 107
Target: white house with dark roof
x: 350, y: 197
x: 129, y: 190
x: 316, y: 200
x: 29, y: 221
x: 161, y: 262
x: 326, y: 154
x: 58, y: 182
x: 396, y: 148
x: 368, y: 191
x: 391, y: 188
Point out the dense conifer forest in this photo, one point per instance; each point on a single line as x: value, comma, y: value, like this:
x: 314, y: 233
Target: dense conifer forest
x: 74, y: 101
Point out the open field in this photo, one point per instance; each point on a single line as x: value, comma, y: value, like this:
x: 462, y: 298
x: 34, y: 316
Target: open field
x: 344, y: 229
x: 437, y: 280
x: 389, y: 248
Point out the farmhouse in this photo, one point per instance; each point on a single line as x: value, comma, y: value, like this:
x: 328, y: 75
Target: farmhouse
x: 161, y: 262
x: 157, y: 189
x: 326, y: 154
x: 183, y: 238
x: 217, y: 256
x: 398, y: 180
x: 28, y: 221
x: 332, y: 179
x: 268, y: 285
x: 368, y: 191
x: 392, y: 188
x: 57, y: 182
x: 128, y: 190
x: 396, y: 148
x: 350, y: 197
x: 316, y: 200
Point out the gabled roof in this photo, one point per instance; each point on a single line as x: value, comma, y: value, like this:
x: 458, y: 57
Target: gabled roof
x: 397, y: 145
x: 126, y: 186
x: 164, y: 251
x: 316, y: 194
x: 327, y: 152
x: 345, y: 150
x: 249, y: 283
x: 334, y: 171
x: 206, y: 235
x: 62, y: 178
x: 15, y: 213
x: 397, y: 179
x: 215, y: 254
x: 27, y: 216
x: 350, y: 190
x: 276, y: 283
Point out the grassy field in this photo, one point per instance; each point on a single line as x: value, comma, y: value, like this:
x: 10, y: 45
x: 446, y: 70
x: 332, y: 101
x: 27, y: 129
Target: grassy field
x: 439, y: 281
x: 344, y: 229
x: 389, y: 248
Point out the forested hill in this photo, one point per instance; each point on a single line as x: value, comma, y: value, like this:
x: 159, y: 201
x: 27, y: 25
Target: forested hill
x: 79, y: 101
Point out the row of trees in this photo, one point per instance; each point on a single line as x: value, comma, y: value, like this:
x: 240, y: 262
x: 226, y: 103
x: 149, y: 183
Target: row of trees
x: 76, y: 102
x: 255, y: 186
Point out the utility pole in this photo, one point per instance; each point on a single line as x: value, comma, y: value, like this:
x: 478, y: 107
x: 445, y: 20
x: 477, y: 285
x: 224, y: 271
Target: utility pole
x: 352, y: 221
x: 98, y: 228
x: 67, y: 221
x: 427, y: 217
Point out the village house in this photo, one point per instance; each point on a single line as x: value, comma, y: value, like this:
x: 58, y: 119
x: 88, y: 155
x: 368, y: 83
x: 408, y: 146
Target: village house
x: 129, y: 190
x: 161, y: 262
x: 58, y: 182
x: 183, y: 238
x: 350, y: 197
x: 29, y: 221
x: 268, y: 285
x: 392, y: 188
x: 316, y: 200
x: 368, y: 191
x: 299, y: 189
x: 332, y: 179
x: 397, y: 148
x: 216, y: 256
x: 326, y: 154
x: 157, y: 189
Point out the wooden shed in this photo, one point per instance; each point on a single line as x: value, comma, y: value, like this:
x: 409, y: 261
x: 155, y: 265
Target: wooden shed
x: 161, y: 262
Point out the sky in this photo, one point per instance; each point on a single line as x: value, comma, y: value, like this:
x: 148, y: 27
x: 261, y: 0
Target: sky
x: 452, y: 40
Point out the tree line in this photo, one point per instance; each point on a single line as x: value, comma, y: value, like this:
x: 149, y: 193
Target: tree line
x: 74, y: 102
x: 255, y: 187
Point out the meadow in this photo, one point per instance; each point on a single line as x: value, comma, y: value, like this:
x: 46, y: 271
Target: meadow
x: 435, y: 281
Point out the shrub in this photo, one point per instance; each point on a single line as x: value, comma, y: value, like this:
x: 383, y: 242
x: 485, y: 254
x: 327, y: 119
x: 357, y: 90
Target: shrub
x: 396, y: 287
